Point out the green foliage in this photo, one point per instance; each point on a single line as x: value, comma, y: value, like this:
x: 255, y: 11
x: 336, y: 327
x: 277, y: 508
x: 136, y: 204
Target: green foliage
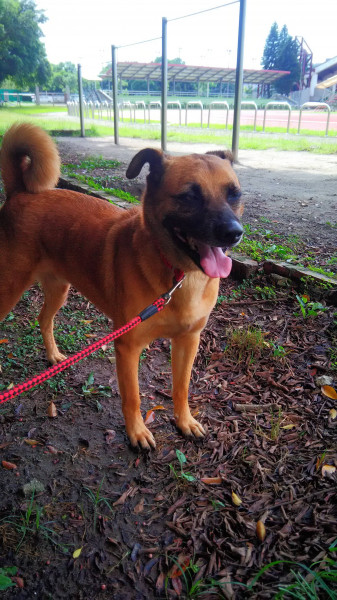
x: 266, y: 246
x: 63, y: 76
x: 183, y: 474
x: 278, y: 350
x: 266, y: 292
x: 99, y: 182
x: 31, y: 523
x: 287, y: 61
x: 22, y: 54
x: 245, y: 344
x: 270, y: 52
x: 281, y: 54
x: 313, y: 582
x: 97, y: 499
x: 309, y: 309
x: 5, y: 580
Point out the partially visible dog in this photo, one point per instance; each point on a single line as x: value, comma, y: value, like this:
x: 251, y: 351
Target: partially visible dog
x: 120, y: 259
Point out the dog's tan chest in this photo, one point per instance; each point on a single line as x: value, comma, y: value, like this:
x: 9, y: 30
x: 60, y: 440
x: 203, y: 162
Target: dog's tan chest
x: 190, y: 307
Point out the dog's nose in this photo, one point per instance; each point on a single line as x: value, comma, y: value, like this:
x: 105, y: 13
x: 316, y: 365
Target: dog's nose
x: 229, y: 232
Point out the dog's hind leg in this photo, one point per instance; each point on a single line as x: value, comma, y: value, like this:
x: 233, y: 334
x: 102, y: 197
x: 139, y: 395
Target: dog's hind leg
x: 184, y: 349
x: 12, y: 286
x: 55, y: 294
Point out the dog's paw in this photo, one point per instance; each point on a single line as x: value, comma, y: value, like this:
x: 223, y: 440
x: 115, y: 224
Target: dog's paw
x: 190, y: 427
x: 141, y: 436
x: 56, y: 357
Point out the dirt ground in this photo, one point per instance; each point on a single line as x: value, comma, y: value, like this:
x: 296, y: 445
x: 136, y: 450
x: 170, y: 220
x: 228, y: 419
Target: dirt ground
x: 85, y: 517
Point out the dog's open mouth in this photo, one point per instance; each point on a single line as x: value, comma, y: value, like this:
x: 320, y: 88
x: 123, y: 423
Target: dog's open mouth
x: 211, y: 259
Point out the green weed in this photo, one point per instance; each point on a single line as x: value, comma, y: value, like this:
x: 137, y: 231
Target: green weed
x: 5, y: 580
x: 278, y: 350
x: 99, y: 182
x: 266, y: 292
x: 314, y: 582
x: 322, y: 271
x: 245, y: 344
x: 94, y: 183
x: 308, y: 308
x: 98, y: 162
x: 97, y: 499
x: 30, y: 523
x: 182, y: 474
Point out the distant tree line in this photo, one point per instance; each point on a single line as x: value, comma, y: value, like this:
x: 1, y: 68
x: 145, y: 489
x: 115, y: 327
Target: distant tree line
x: 23, y: 60
x: 281, y: 53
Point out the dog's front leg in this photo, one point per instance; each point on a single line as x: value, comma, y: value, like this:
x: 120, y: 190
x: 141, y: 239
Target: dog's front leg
x: 184, y: 349
x: 127, y: 362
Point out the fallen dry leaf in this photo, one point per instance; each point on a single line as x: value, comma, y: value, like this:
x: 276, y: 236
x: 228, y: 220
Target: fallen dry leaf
x: 124, y: 496
x: 236, y: 499
x: 179, y: 566
x: 212, y: 480
x: 329, y: 392
x: 139, y: 507
x: 53, y: 450
x: 178, y: 586
x: 32, y: 442
x: 328, y: 470
x: 4, y: 341
x: 260, y: 530
x: 51, y: 410
x: 332, y: 413
x: 8, y: 465
x: 150, y: 417
x: 19, y: 582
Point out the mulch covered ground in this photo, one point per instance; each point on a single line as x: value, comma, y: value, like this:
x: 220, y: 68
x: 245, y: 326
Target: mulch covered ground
x: 83, y: 516
x: 151, y: 525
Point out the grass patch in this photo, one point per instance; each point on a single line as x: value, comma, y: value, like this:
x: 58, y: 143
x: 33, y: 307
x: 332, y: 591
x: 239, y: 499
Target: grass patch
x: 245, y: 344
x: 314, y: 582
x: 261, y: 244
x: 33, y: 109
x: 264, y: 244
x: 92, y: 177
x: 248, y: 141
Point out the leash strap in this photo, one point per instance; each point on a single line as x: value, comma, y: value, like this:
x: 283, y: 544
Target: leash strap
x: 148, y: 312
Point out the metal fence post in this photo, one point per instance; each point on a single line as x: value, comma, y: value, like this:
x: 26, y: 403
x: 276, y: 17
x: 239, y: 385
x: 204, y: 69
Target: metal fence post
x: 238, y: 80
x: 80, y: 94
x: 115, y: 92
x: 164, y: 85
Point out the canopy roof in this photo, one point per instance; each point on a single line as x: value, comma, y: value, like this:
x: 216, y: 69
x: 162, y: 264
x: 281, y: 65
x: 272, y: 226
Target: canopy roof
x: 327, y: 83
x: 184, y: 73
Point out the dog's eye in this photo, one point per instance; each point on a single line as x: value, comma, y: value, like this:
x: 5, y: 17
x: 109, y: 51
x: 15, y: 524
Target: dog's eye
x: 191, y: 199
x: 234, y: 195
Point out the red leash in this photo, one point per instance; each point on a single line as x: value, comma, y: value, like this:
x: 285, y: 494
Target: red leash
x: 149, y: 311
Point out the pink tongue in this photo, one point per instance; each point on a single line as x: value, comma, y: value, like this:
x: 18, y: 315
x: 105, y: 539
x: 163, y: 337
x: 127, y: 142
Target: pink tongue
x: 214, y: 261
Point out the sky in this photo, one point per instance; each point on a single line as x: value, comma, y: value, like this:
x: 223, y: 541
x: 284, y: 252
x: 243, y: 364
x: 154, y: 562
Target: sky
x: 82, y: 31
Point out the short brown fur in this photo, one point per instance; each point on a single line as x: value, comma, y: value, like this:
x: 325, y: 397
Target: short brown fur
x: 112, y: 256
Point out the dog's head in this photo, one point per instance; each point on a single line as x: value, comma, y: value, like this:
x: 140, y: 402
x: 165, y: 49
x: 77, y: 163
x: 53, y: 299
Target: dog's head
x: 192, y: 206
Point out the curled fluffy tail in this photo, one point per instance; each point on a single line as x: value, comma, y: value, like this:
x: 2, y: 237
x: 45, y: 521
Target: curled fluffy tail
x: 29, y: 160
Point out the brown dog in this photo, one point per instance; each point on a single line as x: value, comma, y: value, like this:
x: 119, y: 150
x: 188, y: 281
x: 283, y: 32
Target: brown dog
x: 120, y: 260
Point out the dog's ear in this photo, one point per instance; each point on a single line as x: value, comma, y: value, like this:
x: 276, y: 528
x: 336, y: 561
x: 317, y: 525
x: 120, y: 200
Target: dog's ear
x: 155, y: 158
x: 225, y: 154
